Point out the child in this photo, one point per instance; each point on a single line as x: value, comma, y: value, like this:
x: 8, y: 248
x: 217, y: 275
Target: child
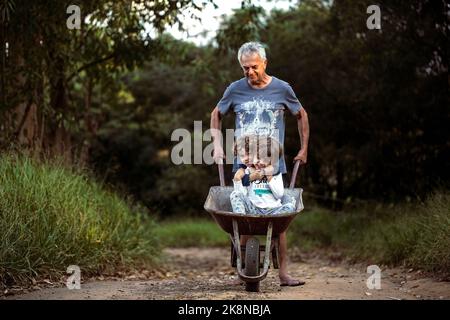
x: 258, y: 187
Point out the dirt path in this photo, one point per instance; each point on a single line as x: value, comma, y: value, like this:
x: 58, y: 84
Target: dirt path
x: 195, y: 273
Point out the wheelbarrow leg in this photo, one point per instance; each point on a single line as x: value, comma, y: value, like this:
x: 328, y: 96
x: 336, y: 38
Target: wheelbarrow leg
x: 268, y: 243
x: 237, y: 246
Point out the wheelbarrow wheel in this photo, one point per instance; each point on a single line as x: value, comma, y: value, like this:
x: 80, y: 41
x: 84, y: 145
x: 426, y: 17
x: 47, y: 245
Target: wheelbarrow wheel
x: 252, y: 263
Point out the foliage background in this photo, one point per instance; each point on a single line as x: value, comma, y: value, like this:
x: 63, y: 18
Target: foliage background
x: 109, y: 95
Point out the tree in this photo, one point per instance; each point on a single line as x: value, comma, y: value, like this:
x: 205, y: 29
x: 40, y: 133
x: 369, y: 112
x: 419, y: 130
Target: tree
x: 46, y: 65
x: 377, y: 100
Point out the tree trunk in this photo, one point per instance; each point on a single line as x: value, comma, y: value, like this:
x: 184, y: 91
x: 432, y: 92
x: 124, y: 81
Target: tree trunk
x: 60, y: 140
x: 90, y: 124
x: 339, y: 185
x: 24, y: 116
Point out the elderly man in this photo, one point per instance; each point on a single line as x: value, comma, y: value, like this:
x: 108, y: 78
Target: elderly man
x: 259, y: 102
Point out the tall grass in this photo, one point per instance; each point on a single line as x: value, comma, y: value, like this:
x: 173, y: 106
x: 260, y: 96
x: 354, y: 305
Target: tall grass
x: 52, y: 217
x: 416, y: 235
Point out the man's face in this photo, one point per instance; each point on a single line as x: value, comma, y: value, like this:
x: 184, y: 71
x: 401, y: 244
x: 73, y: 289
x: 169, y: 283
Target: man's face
x: 254, y: 67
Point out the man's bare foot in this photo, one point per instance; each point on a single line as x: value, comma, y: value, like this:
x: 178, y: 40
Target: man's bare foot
x: 290, y: 282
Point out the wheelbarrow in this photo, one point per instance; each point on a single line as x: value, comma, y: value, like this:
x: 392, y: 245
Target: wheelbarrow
x: 247, y: 258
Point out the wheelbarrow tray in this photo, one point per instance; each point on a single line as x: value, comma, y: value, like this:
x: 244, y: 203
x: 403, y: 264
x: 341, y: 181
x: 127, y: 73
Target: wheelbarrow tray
x: 219, y: 206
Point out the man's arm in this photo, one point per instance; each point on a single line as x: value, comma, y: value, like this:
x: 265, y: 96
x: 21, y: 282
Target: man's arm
x: 303, y: 131
x: 216, y: 125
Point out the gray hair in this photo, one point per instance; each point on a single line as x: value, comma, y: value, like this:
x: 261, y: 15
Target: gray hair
x: 251, y: 48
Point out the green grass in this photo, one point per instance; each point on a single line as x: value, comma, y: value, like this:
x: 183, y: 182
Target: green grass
x: 52, y: 217
x: 199, y: 232
x: 416, y: 235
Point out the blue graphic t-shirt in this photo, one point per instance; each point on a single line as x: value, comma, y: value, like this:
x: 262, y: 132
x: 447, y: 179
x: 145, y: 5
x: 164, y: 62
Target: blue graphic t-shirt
x: 260, y: 111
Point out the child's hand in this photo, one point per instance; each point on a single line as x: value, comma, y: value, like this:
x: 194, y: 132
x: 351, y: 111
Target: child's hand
x: 269, y: 170
x: 251, y: 169
x: 256, y: 175
x: 239, y: 174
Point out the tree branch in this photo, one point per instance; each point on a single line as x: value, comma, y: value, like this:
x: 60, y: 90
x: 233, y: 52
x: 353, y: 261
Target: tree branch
x: 90, y: 64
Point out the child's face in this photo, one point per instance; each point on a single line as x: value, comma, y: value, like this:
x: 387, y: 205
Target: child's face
x: 255, y: 161
x: 254, y: 154
x: 245, y: 159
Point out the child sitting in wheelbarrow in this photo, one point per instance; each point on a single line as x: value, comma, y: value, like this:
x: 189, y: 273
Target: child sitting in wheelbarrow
x: 258, y: 185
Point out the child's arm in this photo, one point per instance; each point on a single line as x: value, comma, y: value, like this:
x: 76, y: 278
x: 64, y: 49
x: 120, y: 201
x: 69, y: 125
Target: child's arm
x: 276, y: 185
x: 237, y: 181
x: 239, y: 174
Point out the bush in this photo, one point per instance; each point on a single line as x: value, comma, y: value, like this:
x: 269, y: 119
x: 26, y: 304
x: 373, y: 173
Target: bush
x: 52, y: 217
x: 417, y: 235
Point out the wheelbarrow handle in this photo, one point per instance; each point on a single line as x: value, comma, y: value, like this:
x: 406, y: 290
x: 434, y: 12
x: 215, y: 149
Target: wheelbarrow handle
x: 294, y: 174
x: 221, y: 175
x: 291, y: 185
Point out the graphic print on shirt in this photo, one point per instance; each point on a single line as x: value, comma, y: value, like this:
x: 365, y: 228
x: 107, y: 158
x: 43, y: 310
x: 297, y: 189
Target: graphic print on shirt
x: 258, y: 117
x: 260, y: 187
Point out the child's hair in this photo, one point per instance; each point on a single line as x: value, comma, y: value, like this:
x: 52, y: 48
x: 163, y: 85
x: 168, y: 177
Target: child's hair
x: 264, y: 146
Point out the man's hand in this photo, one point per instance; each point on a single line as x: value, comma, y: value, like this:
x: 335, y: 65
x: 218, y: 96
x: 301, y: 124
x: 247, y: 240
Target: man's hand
x: 218, y: 154
x: 302, y: 156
